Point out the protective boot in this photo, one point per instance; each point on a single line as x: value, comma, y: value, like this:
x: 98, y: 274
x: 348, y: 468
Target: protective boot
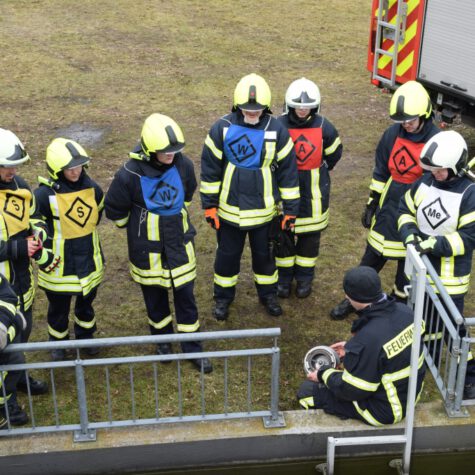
x: 36, y: 386
x: 164, y: 349
x: 283, y: 290
x: 469, y: 391
x: 342, y: 310
x: 304, y: 289
x: 204, y: 363
x: 272, y: 305
x: 221, y: 310
x: 18, y: 417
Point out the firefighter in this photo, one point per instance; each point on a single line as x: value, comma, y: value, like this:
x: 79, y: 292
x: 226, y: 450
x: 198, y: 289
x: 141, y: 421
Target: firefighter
x: 437, y: 215
x: 149, y: 196
x: 21, y: 234
x: 397, y: 166
x: 71, y: 204
x: 374, y: 383
x: 12, y: 325
x: 247, y: 167
x: 318, y: 149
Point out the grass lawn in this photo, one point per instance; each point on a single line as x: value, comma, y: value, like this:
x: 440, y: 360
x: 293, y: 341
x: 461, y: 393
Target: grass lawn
x: 94, y: 70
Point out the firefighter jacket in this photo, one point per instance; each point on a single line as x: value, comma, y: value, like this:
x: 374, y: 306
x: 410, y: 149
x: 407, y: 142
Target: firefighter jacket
x: 10, y: 323
x: 317, y: 149
x: 151, y: 202
x: 446, y: 211
x: 19, y: 216
x: 247, y: 170
x: 396, y: 167
x: 72, y: 211
x: 377, y: 363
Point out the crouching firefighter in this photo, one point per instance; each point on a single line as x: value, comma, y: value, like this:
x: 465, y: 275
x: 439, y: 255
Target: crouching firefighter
x: 71, y: 204
x: 149, y: 196
x: 374, y: 383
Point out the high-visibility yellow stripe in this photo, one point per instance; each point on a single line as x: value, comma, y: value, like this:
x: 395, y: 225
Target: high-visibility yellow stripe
x: 266, y: 279
x: 223, y: 281
x: 161, y: 324
x: 285, y: 261
x: 466, y: 219
x: 188, y: 328
x: 210, y: 188
x: 56, y: 334
x: 83, y: 324
x: 456, y: 243
x: 214, y: 150
x: 306, y: 261
x: 331, y: 148
x: 359, y: 383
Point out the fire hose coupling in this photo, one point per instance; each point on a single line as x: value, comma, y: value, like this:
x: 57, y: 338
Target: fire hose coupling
x: 320, y: 356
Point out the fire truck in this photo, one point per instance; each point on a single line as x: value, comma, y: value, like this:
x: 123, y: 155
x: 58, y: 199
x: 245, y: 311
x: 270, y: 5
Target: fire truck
x: 430, y: 41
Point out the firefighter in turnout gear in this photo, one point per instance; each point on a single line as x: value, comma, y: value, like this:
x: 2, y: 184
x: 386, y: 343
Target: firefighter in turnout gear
x: 12, y: 325
x: 21, y: 234
x: 149, y: 196
x: 318, y: 149
x: 373, y: 386
x: 437, y: 215
x: 397, y: 166
x: 247, y: 167
x: 71, y: 204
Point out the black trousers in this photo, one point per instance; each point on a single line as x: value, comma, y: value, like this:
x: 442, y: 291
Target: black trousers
x: 58, y: 315
x: 11, y: 378
x: 317, y: 396
x: 306, y: 246
x: 228, y: 261
x: 159, y: 314
x: 376, y: 261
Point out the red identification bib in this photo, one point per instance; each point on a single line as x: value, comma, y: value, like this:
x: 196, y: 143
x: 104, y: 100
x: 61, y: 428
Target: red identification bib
x: 404, y: 163
x: 308, y: 147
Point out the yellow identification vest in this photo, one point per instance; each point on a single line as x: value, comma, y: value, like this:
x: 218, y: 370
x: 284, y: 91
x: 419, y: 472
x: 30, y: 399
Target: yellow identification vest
x: 78, y: 214
x: 15, y: 209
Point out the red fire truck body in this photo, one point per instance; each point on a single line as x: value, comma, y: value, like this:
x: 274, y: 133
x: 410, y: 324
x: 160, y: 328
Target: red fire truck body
x: 436, y: 46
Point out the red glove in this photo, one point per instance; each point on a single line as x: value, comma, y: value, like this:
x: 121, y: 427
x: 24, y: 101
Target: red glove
x: 211, y: 215
x: 288, y: 222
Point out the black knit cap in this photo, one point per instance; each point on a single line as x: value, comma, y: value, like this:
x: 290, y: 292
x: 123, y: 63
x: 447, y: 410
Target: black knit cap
x: 363, y: 284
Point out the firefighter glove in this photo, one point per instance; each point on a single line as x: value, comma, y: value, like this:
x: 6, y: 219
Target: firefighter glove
x: 211, y: 215
x: 46, y: 260
x: 39, y: 233
x: 369, y: 210
x: 412, y: 239
x: 288, y: 222
x: 424, y: 247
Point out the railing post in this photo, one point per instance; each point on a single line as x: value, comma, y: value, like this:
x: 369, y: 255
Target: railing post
x: 85, y: 434
x: 277, y: 418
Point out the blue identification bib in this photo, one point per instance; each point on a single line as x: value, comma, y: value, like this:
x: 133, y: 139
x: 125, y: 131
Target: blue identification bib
x: 163, y: 195
x: 243, y: 146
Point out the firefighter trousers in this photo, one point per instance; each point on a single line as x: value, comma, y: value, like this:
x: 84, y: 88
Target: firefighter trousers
x: 9, y: 379
x: 159, y: 314
x: 58, y: 315
x: 300, y: 267
x: 231, y: 241
x: 317, y: 396
x: 372, y: 259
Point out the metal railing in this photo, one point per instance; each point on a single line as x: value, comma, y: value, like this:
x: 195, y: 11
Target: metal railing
x: 447, y: 342
x: 96, y: 394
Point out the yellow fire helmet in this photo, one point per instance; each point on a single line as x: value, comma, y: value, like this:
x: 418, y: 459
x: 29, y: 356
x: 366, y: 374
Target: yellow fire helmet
x: 161, y: 134
x: 62, y: 154
x: 410, y: 100
x: 252, y: 93
x: 12, y: 152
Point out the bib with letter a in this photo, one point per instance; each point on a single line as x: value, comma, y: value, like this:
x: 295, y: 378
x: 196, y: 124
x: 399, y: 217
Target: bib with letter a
x: 404, y: 163
x: 308, y: 147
